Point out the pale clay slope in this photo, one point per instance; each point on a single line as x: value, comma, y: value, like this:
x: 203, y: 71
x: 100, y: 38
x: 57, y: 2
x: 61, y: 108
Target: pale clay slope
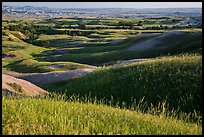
x: 153, y: 42
x: 28, y: 88
x: 52, y: 77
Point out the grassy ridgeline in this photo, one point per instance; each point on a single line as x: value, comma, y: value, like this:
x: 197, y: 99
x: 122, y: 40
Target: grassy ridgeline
x: 45, y: 116
x: 172, y: 44
x: 174, y: 79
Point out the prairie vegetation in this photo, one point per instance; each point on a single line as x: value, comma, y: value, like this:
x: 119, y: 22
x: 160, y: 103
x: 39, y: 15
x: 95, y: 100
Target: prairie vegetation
x: 160, y: 95
x: 45, y: 116
x: 176, y: 80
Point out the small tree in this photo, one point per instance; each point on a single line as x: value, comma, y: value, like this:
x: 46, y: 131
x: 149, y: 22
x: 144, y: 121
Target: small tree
x: 131, y: 25
x: 121, y: 24
x: 81, y: 25
x: 165, y: 27
x: 46, y: 43
x: 140, y: 23
x: 65, y: 32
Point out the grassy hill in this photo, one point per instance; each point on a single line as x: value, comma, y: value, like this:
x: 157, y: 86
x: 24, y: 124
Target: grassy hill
x: 176, y: 80
x: 25, y: 60
x: 174, y: 44
x: 46, y: 116
x: 161, y: 95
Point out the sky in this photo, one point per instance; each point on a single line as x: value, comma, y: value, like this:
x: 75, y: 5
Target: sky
x: 108, y: 4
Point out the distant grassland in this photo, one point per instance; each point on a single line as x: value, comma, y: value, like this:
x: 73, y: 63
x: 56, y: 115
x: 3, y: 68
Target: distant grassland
x: 174, y: 44
x: 26, y: 116
x: 26, y: 60
x: 101, y: 51
x: 33, y: 66
x: 177, y: 80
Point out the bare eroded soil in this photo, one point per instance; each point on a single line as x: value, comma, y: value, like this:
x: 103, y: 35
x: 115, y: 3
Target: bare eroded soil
x: 26, y: 87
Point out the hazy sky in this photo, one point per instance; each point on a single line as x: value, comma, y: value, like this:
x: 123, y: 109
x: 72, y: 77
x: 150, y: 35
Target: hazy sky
x: 108, y: 4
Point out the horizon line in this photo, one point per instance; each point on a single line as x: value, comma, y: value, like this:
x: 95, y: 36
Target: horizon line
x: 107, y: 8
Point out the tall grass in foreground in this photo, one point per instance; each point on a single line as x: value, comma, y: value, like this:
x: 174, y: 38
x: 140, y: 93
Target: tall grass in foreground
x: 31, y: 116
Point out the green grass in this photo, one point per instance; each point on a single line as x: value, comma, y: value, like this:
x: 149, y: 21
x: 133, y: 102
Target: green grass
x: 174, y: 44
x: 26, y: 60
x: 57, y: 40
x: 159, y: 96
x: 16, y: 87
x: 33, y: 66
x: 104, y: 48
x: 174, y: 79
x: 26, y: 116
x: 98, y: 54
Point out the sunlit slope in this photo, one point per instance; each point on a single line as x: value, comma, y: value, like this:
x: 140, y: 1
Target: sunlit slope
x: 15, y: 86
x: 52, y: 116
x: 24, y: 56
x: 170, y: 43
x: 174, y: 79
